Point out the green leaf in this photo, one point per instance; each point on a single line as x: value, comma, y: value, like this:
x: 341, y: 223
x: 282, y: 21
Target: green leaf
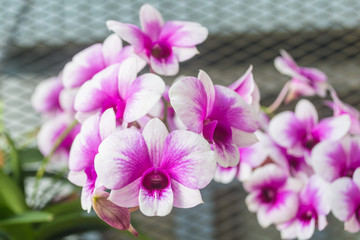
x: 28, y: 217
x: 11, y: 197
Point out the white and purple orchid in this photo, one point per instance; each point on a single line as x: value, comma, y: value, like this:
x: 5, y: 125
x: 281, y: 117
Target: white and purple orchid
x: 304, y: 81
x: 273, y: 195
x: 217, y: 112
x: 118, y: 87
x: 155, y: 170
x: 301, y: 130
x: 162, y: 44
x: 312, y: 211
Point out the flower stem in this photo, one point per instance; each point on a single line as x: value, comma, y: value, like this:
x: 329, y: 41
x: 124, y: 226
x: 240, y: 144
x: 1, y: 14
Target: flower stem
x: 279, y: 99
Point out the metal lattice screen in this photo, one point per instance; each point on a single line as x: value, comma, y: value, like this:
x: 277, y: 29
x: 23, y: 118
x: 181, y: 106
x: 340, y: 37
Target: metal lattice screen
x: 37, y: 37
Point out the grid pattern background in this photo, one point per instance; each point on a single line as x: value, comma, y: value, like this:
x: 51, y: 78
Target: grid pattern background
x: 37, y: 37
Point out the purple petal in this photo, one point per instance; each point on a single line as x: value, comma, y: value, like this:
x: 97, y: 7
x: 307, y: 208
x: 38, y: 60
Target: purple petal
x: 231, y: 109
x: 344, y: 198
x: 188, y: 98
x: 154, y: 134
x: 111, y: 49
x: 127, y: 196
x: 122, y: 158
x: 85, y: 145
x: 46, y: 95
x: 184, y: 53
x: 306, y: 113
x: 83, y: 66
x: 245, y: 85
x: 332, y: 128
x: 185, y: 197
x: 130, y: 33
x: 188, y: 159
x: 142, y: 96
x: 168, y: 66
x: 286, y: 129
x: 151, y: 21
x: 328, y: 160
x: 156, y: 202
x: 183, y: 34
x: 94, y: 94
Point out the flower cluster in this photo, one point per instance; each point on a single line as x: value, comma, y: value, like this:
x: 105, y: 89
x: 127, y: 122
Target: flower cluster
x: 139, y: 144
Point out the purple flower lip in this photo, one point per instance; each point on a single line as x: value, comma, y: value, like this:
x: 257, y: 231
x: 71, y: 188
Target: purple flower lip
x: 155, y: 179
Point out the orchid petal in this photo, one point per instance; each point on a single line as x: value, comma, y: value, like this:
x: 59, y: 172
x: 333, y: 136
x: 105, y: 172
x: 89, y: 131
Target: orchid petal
x: 231, y: 109
x: 142, y: 96
x: 83, y: 66
x: 107, y: 123
x: 185, y: 197
x: 352, y: 225
x: 183, y: 33
x: 242, y: 138
x: 151, y: 21
x: 188, y: 98
x: 225, y: 175
x: 157, y: 202
x: 305, y: 230
x: 111, y: 48
x: 332, y: 128
x: 67, y: 99
x: 245, y: 85
x: 227, y: 154
x: 286, y: 64
x: 306, y: 113
x: 184, y: 53
x: 130, y: 33
x: 127, y: 196
x: 46, y: 95
x: 328, y: 160
x: 155, y: 134
x: 126, y: 75
x: 122, y: 158
x: 209, y: 89
x: 165, y: 66
x: 78, y: 178
x: 188, y: 159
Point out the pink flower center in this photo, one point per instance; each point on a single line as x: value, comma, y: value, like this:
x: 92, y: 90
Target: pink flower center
x: 161, y: 50
x: 155, y: 179
x: 306, y: 213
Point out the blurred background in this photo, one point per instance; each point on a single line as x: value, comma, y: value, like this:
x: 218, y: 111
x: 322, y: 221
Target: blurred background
x: 37, y: 38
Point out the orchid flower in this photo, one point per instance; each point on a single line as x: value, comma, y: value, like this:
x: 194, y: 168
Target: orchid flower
x: 119, y: 88
x: 217, y: 112
x: 45, y: 98
x: 50, y: 132
x: 247, y: 88
x: 344, y: 197
x: 273, y: 195
x: 300, y: 131
x: 162, y: 45
x: 95, y: 58
x: 312, y: 211
x: 82, y: 154
x: 155, y: 170
x: 304, y: 81
x: 334, y: 159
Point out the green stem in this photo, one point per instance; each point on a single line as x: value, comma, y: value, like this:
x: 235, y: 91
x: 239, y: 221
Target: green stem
x: 40, y: 172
